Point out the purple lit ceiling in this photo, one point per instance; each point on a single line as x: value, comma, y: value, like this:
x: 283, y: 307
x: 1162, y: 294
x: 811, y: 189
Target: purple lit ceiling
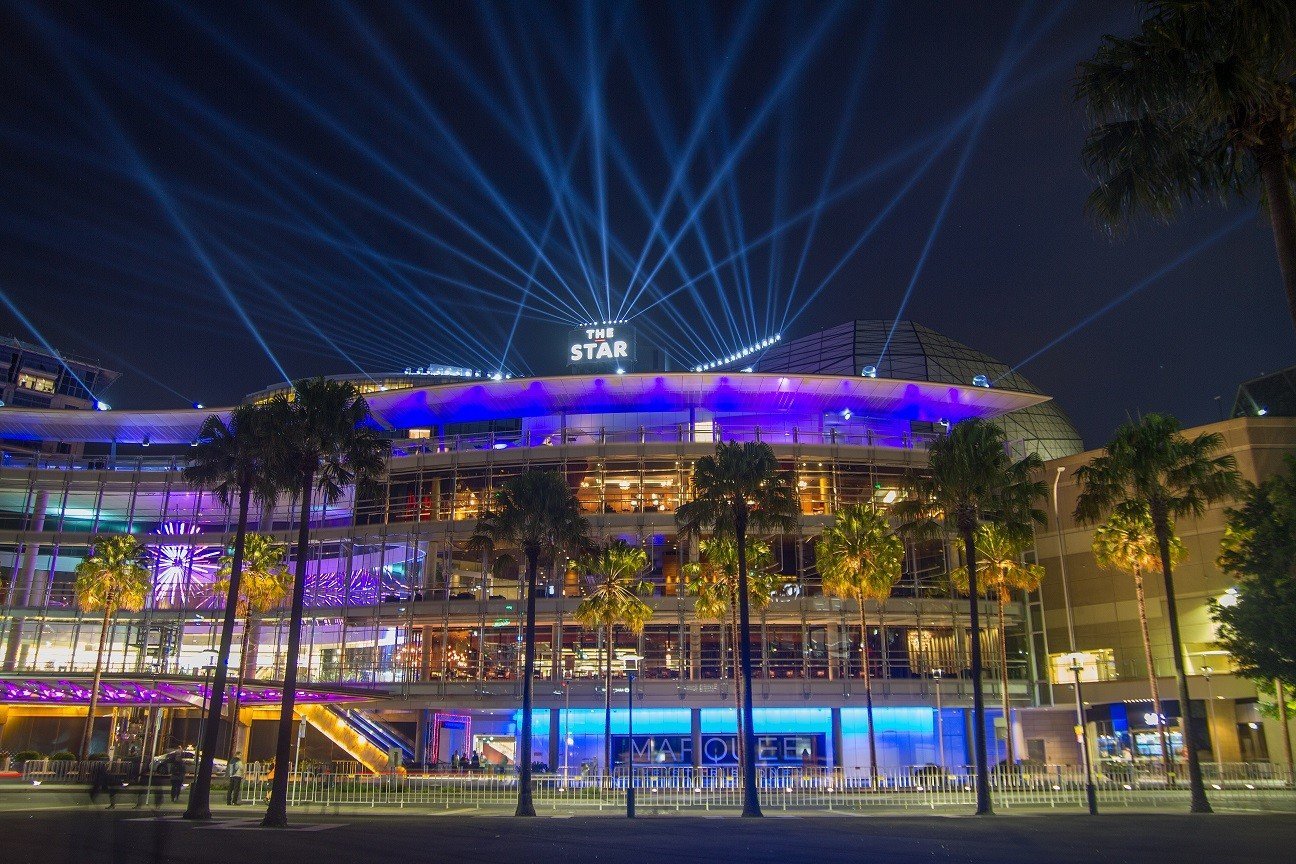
x: 721, y: 392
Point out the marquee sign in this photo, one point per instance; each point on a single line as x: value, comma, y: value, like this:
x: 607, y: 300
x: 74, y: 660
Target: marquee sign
x: 790, y: 748
x: 601, y: 345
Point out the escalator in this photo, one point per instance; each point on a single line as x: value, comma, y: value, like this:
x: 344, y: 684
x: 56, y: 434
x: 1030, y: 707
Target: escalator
x: 336, y: 726
x: 379, y: 733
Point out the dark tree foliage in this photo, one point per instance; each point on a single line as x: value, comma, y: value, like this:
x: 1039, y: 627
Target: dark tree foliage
x: 1259, y: 550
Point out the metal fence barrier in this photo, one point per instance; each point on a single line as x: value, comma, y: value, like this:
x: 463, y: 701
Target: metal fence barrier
x: 678, y: 789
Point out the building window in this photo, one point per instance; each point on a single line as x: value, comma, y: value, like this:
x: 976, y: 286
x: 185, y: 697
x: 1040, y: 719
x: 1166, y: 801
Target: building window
x: 39, y: 383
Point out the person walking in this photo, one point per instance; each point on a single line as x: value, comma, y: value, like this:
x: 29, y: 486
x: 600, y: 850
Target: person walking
x: 177, y: 770
x: 234, y: 772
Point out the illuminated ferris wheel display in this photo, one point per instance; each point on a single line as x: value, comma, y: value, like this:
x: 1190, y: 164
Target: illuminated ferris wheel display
x: 184, y: 573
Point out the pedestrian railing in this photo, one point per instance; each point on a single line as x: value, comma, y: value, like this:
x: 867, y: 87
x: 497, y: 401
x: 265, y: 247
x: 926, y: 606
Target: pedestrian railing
x: 71, y: 771
x: 677, y: 789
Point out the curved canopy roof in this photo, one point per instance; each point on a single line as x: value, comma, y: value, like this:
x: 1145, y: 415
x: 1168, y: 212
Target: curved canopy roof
x: 475, y: 400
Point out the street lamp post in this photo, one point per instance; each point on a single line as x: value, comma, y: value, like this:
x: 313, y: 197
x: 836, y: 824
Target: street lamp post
x: 940, y: 721
x: 631, y: 665
x: 567, y: 740
x: 1091, y: 795
x: 1206, y: 673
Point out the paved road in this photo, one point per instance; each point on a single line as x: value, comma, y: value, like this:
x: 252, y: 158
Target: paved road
x: 128, y: 836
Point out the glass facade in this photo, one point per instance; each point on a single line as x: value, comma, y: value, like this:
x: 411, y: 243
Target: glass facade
x: 396, y: 601
x: 913, y: 352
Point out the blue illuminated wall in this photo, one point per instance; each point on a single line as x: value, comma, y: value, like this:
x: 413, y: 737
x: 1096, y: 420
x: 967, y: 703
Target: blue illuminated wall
x: 906, y: 737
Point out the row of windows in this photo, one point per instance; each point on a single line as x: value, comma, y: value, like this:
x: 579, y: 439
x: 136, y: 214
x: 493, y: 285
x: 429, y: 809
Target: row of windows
x: 363, y: 652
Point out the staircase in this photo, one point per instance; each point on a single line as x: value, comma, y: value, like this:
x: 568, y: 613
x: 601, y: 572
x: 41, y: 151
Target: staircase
x: 379, y: 733
x: 336, y: 726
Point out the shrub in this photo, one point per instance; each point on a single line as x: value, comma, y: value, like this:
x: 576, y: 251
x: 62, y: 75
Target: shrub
x: 27, y: 756
x: 63, y: 756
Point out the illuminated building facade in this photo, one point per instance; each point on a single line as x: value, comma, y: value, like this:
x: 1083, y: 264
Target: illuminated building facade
x: 1229, y: 722
x: 431, y: 632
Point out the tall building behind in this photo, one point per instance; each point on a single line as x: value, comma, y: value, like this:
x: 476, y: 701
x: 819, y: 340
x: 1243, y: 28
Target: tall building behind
x: 37, y: 378
x: 1229, y: 722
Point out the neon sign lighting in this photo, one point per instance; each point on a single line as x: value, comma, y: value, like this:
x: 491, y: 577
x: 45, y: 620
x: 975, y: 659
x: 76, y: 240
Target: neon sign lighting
x: 183, y: 572
x: 734, y: 358
x: 599, y: 343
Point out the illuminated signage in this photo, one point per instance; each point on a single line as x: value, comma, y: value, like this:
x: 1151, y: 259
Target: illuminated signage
x: 602, y: 345
x: 778, y: 749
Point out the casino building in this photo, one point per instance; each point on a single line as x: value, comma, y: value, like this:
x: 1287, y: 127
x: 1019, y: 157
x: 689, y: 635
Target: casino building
x: 413, y: 642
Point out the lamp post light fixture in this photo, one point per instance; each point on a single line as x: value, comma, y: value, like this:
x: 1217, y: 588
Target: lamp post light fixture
x: 567, y: 739
x: 1082, y: 728
x: 1091, y: 794
x: 940, y: 720
x: 1206, y: 674
x: 631, y: 666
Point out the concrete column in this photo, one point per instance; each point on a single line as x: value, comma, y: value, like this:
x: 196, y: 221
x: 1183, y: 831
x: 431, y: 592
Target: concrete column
x: 838, y: 748
x: 695, y: 729
x: 425, y: 650
x: 695, y: 651
x: 834, y: 650
x: 555, y: 738
x: 969, y: 729
x: 555, y: 645
x: 424, y: 720
x: 27, y: 586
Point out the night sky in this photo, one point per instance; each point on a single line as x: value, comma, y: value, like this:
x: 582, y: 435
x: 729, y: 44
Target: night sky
x: 210, y: 196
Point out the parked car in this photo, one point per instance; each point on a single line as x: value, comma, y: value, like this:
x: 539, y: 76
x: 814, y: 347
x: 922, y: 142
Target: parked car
x: 161, y: 764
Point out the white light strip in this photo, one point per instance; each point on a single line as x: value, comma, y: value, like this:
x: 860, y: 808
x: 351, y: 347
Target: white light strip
x: 734, y: 358
x: 456, y: 372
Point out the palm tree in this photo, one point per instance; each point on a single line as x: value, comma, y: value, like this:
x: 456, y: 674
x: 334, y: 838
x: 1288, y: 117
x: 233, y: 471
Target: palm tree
x: 714, y: 584
x: 234, y: 460
x: 1151, y: 465
x: 1002, y: 571
x: 263, y: 585
x: 1127, y: 542
x: 741, y: 487
x: 536, y: 512
x: 1196, y: 106
x: 972, y: 478
x: 113, y: 578
x: 860, y: 558
x: 326, y: 445
x: 614, y: 601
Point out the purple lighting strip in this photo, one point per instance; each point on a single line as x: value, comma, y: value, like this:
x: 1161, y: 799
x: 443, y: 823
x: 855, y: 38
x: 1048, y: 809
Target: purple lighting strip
x: 129, y: 692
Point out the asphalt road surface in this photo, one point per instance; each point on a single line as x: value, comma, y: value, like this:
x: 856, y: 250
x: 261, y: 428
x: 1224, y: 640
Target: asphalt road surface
x: 79, y: 834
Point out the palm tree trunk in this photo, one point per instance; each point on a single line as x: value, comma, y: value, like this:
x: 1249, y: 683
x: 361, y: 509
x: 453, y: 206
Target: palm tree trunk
x: 1280, y: 693
x: 1272, y: 159
x: 200, y: 793
x: 751, y: 795
x: 1154, y: 688
x: 277, y: 811
x: 1196, y: 786
x: 868, y: 694
x: 738, y: 684
x: 607, y: 702
x: 983, y: 807
x: 88, y: 732
x: 236, y: 699
x: 1003, y: 682
x: 525, y: 807
x: 240, y: 680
